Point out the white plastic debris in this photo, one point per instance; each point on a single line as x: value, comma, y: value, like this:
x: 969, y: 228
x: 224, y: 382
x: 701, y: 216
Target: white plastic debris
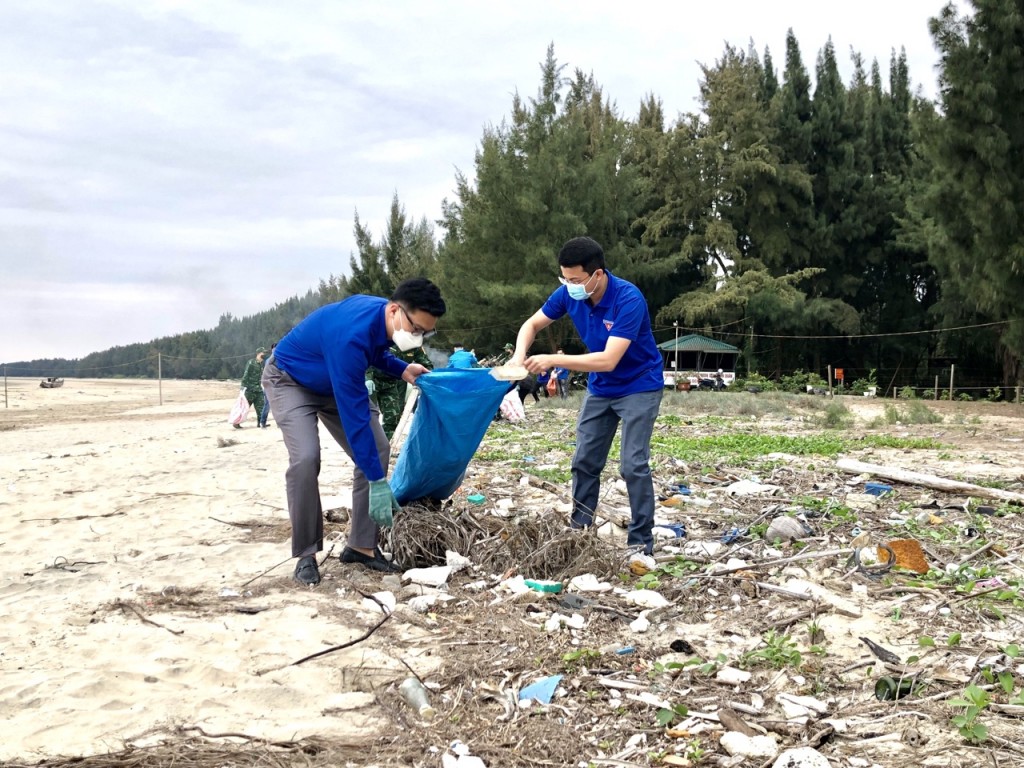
x: 801, y: 757
x: 749, y: 488
x: 732, y: 563
x: 422, y: 603
x: 557, y: 620
x: 455, y: 561
x: 639, y: 558
x: 516, y: 585
x: 588, y: 582
x: 732, y: 676
x: 646, y: 598
x: 702, y: 548
x: 387, y: 602
x: 461, y: 757
x: 737, y: 744
x: 807, y: 702
x: 229, y: 592
x: 784, y: 529
x: 640, y: 624
x: 428, y: 577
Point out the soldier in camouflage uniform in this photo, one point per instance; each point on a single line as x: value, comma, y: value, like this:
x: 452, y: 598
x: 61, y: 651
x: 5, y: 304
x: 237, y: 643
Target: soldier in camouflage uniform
x: 390, y: 393
x: 253, y: 387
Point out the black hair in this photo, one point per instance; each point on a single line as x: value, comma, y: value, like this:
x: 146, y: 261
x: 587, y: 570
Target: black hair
x: 582, y: 252
x: 418, y: 293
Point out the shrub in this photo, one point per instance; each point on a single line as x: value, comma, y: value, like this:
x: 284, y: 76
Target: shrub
x: 907, y: 393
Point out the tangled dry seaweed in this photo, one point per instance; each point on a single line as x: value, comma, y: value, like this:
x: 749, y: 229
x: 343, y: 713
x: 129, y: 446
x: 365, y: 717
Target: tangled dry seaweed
x: 536, y: 542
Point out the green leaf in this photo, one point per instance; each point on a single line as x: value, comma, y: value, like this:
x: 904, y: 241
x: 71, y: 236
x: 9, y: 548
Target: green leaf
x: 953, y: 640
x: 1006, y: 681
x: 665, y: 717
x: 926, y: 642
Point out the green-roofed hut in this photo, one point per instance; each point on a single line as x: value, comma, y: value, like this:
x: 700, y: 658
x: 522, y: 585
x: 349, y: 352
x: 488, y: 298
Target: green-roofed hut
x: 698, y: 357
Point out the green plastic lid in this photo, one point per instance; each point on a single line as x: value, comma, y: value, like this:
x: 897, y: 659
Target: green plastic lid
x: 476, y: 498
x: 543, y: 585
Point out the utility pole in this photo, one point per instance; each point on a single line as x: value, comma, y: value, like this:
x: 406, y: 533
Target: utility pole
x: 675, y: 363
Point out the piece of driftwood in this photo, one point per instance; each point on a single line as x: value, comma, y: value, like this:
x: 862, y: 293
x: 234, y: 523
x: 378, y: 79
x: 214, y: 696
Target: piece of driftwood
x: 928, y: 481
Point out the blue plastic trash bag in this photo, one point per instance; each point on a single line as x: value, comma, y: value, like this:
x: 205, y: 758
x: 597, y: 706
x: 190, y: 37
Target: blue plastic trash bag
x: 454, y: 409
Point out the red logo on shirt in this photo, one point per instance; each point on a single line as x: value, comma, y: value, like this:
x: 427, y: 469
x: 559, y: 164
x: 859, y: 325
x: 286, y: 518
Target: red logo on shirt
x: 608, y: 325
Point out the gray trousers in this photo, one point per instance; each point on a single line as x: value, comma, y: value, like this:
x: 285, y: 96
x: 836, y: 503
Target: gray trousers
x: 297, y: 412
x: 598, y: 419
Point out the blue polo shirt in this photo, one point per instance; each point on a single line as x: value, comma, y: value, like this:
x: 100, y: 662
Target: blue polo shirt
x: 462, y: 359
x: 328, y: 353
x: 622, y: 313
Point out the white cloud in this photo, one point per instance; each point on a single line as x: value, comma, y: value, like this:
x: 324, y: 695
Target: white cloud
x: 210, y: 154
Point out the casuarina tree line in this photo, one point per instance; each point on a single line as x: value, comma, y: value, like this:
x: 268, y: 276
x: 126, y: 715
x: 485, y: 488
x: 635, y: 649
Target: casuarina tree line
x: 807, y: 220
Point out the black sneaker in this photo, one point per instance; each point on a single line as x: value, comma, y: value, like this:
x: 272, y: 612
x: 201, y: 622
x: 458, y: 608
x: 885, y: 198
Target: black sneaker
x: 306, y: 571
x: 374, y: 563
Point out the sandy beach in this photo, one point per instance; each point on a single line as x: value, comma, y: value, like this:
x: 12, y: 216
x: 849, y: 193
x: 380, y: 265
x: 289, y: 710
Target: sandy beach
x: 146, y: 577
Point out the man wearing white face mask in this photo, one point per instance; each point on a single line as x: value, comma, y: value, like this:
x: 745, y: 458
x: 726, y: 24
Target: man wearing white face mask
x: 316, y: 374
x: 625, y: 382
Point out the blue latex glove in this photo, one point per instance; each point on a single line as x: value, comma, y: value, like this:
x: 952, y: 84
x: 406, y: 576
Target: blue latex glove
x: 382, y: 503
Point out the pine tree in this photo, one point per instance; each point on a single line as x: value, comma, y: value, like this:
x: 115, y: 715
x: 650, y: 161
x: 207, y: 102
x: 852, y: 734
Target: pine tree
x: 975, y: 198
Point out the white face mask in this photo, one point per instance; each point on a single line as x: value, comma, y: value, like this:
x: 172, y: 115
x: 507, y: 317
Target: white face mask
x: 579, y: 291
x: 406, y: 340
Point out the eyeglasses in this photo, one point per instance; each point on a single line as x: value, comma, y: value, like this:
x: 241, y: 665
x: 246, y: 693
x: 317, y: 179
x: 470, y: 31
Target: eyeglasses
x: 577, y: 280
x: 415, y: 328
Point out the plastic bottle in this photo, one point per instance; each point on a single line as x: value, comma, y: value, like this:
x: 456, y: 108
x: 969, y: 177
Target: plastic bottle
x: 415, y: 696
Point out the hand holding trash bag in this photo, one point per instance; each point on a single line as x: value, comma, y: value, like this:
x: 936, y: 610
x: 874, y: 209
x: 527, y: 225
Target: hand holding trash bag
x: 383, y: 503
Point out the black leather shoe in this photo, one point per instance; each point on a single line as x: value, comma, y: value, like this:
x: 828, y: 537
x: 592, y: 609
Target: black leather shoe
x: 375, y: 563
x: 306, y: 571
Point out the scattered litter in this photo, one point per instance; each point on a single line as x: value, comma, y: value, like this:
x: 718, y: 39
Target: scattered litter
x: 877, y: 489
x: 542, y: 690
x: 588, y: 582
x: 748, y: 488
x: 415, y: 696
x: 732, y: 676
x: 733, y: 534
x: 557, y: 621
x: 639, y: 625
x: 455, y: 561
x: 422, y: 603
x: 801, y: 757
x: 785, y: 529
x: 669, y: 531
x: 861, y: 501
x: 461, y: 757
x: 543, y: 585
x: 646, y: 598
x: 738, y: 745
x: 429, y: 577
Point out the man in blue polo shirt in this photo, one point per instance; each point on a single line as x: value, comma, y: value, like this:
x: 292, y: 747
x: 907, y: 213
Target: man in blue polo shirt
x: 317, y: 374
x: 625, y: 382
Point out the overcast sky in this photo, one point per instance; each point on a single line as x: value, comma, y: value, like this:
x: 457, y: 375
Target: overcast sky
x: 164, y: 163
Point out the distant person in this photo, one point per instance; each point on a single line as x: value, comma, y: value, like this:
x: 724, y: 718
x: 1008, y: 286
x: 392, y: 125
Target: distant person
x: 390, y: 392
x: 266, y: 402
x: 625, y: 382
x: 542, y: 382
x: 318, y: 374
x: 253, y: 389
x: 561, y: 376
x: 461, y: 358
